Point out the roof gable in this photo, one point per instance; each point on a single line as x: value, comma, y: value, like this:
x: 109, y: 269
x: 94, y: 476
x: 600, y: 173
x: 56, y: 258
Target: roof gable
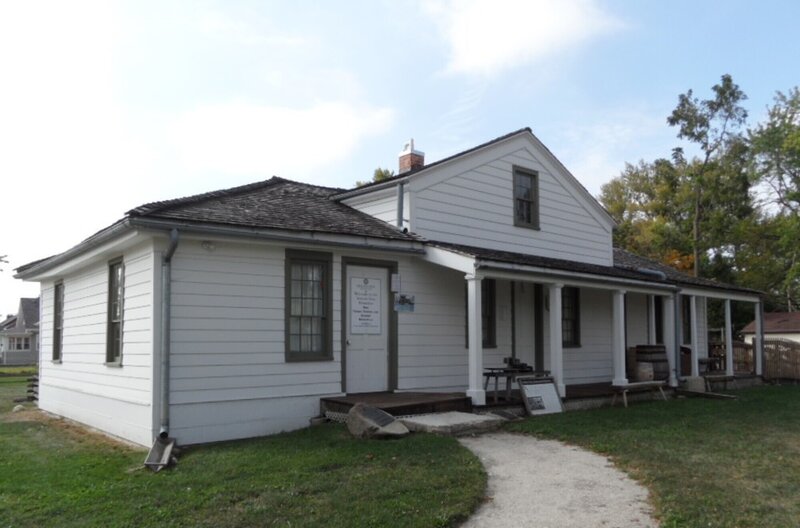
x: 554, y: 165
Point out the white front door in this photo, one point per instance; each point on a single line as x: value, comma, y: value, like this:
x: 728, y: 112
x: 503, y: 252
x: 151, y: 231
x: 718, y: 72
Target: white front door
x: 367, y: 329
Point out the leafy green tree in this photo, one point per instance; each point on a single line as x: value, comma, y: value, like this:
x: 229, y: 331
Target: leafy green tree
x: 379, y: 174
x: 776, y: 150
x: 711, y: 124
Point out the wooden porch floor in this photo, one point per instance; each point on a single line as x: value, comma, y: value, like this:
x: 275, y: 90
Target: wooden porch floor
x: 404, y: 403
x: 401, y: 403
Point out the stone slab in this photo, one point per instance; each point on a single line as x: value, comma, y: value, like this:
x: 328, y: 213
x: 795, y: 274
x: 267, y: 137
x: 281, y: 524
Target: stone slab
x: 452, y: 423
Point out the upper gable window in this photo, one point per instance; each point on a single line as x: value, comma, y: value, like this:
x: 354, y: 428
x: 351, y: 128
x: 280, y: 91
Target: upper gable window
x: 526, y: 198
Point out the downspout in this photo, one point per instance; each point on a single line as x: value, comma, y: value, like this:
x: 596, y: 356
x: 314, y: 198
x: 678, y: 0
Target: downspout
x: 400, y: 204
x: 166, y: 295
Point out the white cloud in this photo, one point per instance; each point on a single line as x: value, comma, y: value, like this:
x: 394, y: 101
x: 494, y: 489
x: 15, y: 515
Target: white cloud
x: 248, y: 138
x: 489, y: 36
x: 596, y: 152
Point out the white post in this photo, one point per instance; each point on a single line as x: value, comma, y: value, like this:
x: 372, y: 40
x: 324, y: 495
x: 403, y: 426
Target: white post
x: 556, y: 338
x: 758, y: 339
x: 475, y: 340
x: 728, y: 339
x: 651, y: 320
x: 695, y: 337
x: 668, y: 313
x: 618, y: 337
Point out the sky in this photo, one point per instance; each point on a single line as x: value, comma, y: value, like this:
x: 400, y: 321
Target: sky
x: 108, y: 105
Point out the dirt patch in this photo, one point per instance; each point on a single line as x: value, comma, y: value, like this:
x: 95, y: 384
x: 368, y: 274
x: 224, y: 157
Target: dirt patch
x: 74, y: 431
x: 545, y: 483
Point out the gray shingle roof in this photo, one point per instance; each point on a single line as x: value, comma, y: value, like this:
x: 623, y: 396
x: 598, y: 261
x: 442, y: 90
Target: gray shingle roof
x: 777, y: 323
x: 627, y: 260
x: 275, y: 204
x: 524, y: 259
x: 626, y: 266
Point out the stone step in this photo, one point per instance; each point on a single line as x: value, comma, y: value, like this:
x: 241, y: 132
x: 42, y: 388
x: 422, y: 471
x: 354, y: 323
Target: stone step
x: 452, y: 423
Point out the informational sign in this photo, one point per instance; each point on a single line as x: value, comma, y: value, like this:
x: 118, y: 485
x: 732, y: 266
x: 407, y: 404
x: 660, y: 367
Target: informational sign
x: 539, y: 395
x: 403, y: 302
x: 365, y: 305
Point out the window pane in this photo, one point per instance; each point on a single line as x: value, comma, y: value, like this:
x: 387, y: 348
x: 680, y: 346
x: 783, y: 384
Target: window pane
x: 297, y: 307
x: 296, y: 271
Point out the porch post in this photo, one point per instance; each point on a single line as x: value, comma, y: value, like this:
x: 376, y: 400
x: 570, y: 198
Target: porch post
x: 668, y: 313
x: 728, y: 339
x: 475, y: 340
x: 695, y: 337
x: 651, y: 320
x: 758, y: 339
x: 618, y: 337
x: 556, y: 338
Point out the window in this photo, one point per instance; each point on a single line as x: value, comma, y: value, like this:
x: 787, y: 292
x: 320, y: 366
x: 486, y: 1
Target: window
x: 686, y: 319
x: 526, y: 198
x: 116, y: 296
x: 58, y: 321
x: 488, y: 314
x: 308, y: 306
x: 570, y: 317
x: 19, y: 343
x: 659, y: 315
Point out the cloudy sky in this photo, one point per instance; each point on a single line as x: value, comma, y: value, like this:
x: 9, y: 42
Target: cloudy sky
x: 107, y: 105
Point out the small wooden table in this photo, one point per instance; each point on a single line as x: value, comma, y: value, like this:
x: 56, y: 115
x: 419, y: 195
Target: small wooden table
x: 510, y: 374
x: 637, y: 386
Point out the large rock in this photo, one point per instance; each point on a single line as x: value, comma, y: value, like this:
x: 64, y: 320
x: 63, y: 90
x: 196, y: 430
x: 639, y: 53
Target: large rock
x: 364, y: 421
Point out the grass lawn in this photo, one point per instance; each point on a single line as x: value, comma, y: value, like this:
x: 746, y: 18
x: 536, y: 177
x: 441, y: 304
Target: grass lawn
x: 709, y: 463
x: 54, y: 474
x: 23, y: 370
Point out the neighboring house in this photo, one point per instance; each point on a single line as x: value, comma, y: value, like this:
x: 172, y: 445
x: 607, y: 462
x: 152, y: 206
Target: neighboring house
x: 19, y: 335
x: 230, y: 314
x: 777, y: 325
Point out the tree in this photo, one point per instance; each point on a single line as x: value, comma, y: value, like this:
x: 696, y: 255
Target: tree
x: 380, y: 174
x: 776, y: 150
x: 711, y: 124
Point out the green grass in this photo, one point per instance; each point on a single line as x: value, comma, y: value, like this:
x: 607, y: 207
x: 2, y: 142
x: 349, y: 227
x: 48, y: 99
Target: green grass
x: 52, y: 474
x: 22, y: 370
x: 708, y: 463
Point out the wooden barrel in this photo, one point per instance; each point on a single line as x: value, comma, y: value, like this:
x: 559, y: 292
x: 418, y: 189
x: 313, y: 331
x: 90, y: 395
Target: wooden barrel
x: 644, y: 371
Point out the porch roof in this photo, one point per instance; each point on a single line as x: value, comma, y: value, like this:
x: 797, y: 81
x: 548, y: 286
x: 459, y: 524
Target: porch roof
x: 627, y: 267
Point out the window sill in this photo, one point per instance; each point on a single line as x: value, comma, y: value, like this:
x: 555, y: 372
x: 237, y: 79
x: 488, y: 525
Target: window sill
x: 307, y: 359
x: 571, y: 346
x: 55, y: 361
x: 113, y: 364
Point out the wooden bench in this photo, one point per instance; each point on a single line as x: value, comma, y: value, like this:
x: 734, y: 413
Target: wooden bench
x: 637, y: 386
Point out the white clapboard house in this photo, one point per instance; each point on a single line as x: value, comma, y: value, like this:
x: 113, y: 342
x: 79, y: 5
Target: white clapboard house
x: 230, y: 314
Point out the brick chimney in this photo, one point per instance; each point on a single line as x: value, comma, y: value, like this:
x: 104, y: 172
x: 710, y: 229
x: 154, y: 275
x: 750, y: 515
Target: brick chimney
x: 410, y: 158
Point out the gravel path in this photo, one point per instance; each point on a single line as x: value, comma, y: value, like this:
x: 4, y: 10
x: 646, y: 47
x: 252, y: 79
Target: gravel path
x: 544, y: 484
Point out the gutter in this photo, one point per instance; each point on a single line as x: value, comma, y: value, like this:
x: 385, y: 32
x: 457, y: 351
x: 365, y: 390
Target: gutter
x: 411, y: 246
x: 166, y: 305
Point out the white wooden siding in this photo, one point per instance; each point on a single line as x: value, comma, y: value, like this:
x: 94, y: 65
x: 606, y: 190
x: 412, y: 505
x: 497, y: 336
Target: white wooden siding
x: 114, y: 399
x: 590, y: 362
x: 475, y: 207
x: 636, y: 313
x: 228, y: 377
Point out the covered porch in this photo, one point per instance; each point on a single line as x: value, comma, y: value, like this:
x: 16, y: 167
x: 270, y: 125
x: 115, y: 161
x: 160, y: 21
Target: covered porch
x: 578, y: 322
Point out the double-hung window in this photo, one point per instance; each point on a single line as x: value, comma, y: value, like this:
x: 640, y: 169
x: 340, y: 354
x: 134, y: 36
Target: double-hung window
x: 308, y: 306
x: 116, y: 296
x: 570, y: 317
x: 526, y: 198
x: 58, y: 321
